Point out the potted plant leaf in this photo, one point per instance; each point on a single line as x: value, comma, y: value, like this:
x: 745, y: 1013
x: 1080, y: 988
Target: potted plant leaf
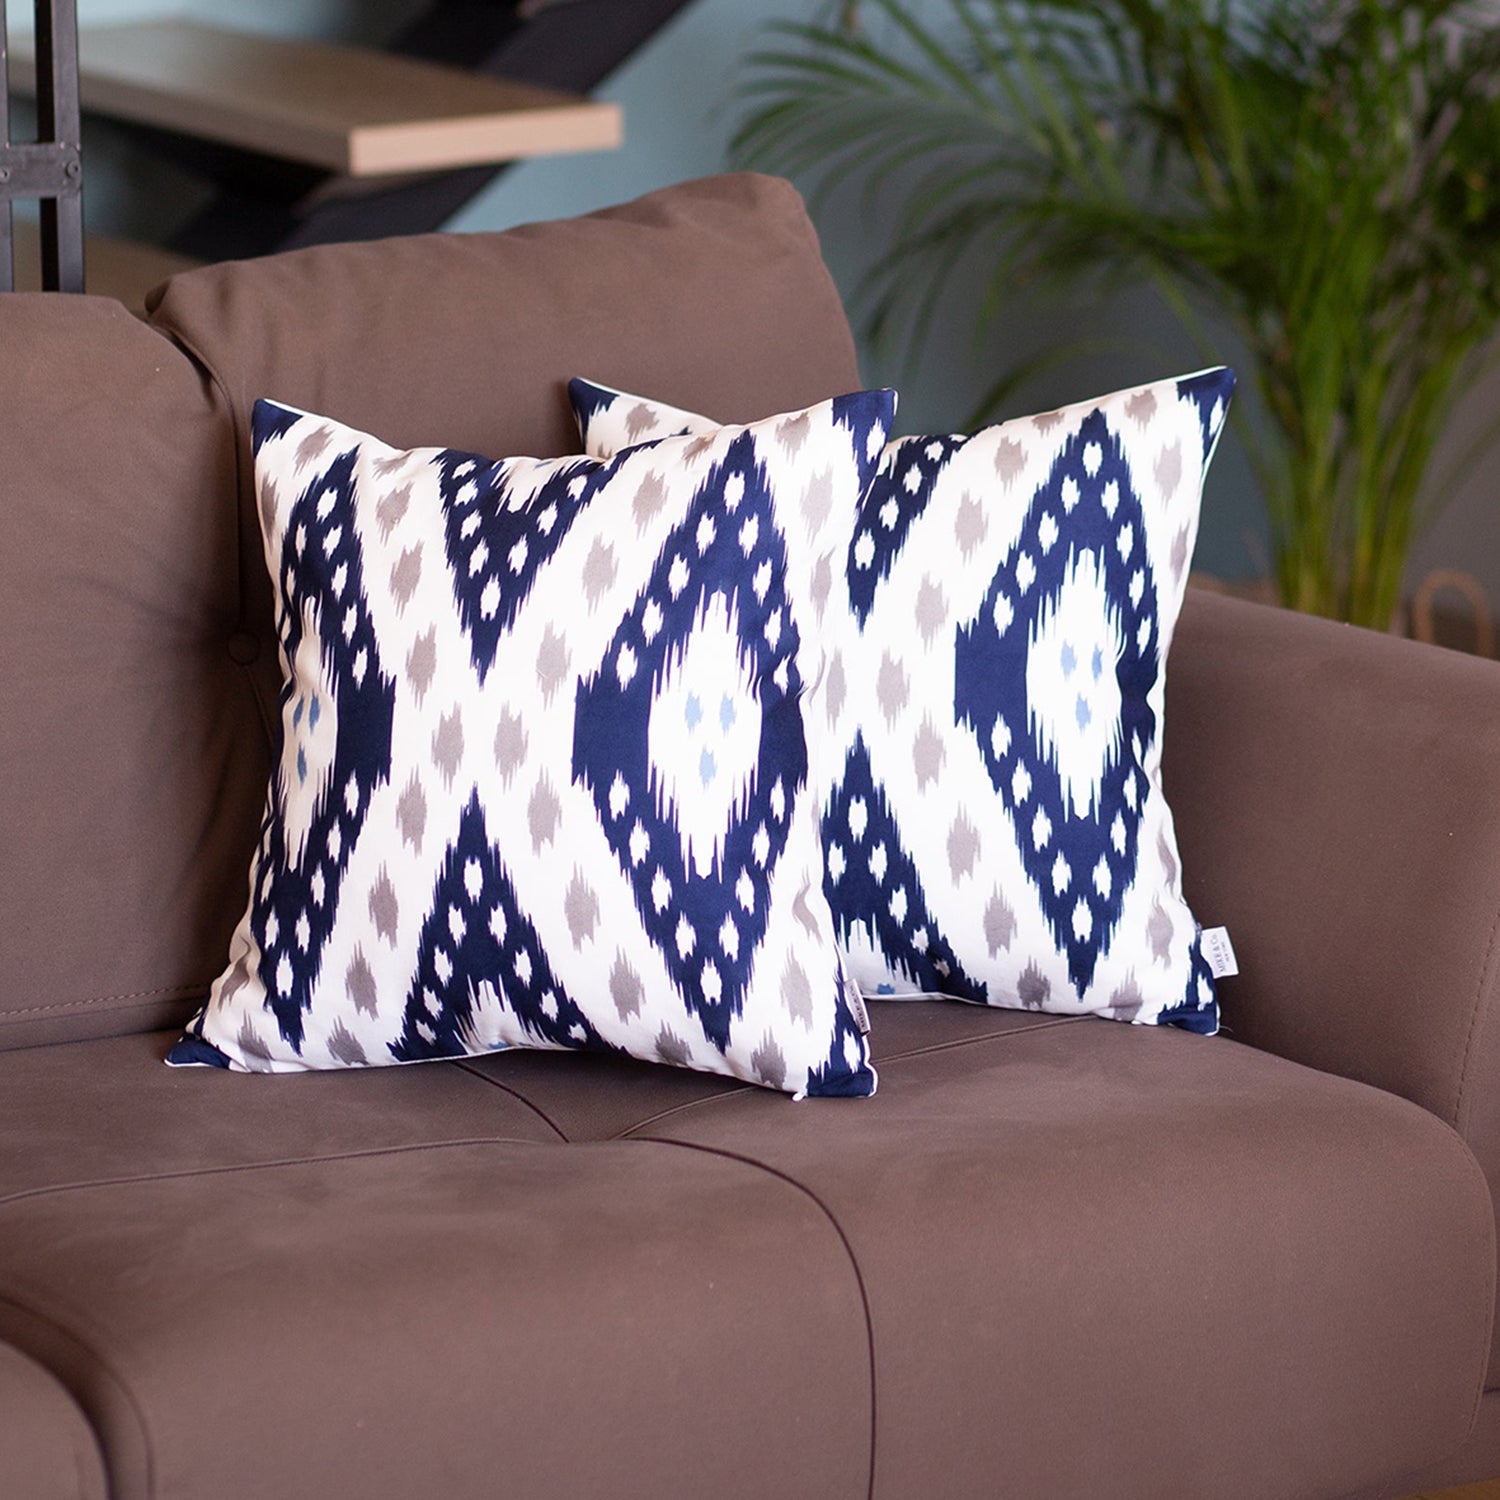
x: 1321, y: 175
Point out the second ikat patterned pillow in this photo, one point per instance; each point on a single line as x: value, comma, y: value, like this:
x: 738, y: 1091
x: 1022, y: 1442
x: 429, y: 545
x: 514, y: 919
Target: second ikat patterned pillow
x: 994, y: 824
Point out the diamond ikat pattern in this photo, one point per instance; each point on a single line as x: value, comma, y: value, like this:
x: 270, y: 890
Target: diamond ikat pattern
x: 993, y: 819
x: 1075, y: 623
x: 1030, y: 670
x: 721, y: 579
x: 544, y: 773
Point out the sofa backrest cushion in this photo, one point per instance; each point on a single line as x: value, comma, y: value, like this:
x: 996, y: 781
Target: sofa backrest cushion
x: 138, y: 668
x: 712, y: 292
x: 132, y: 755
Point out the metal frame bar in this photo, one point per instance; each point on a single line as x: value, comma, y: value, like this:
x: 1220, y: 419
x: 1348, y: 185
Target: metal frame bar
x: 58, y: 122
x: 7, y: 232
x: 50, y: 169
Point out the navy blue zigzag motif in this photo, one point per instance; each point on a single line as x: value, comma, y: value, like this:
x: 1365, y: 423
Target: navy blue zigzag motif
x: 872, y: 882
x: 293, y: 905
x: 478, y: 945
x: 1085, y: 514
x: 899, y: 493
x: 1210, y: 392
x: 707, y: 925
x: 497, y: 539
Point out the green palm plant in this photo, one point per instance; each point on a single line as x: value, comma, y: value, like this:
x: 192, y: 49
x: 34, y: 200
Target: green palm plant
x: 1321, y: 174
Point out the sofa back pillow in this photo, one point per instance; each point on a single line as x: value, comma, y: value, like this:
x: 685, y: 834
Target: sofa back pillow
x: 712, y: 291
x: 994, y: 823
x: 132, y: 754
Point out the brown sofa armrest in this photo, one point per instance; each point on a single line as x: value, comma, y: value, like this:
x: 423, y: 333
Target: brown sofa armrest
x: 1337, y: 796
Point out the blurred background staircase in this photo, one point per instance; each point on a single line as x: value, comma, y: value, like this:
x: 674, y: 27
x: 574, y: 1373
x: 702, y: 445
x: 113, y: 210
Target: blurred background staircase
x: 286, y: 141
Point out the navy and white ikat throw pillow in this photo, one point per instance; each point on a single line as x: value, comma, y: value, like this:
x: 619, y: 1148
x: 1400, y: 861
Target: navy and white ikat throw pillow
x: 994, y: 822
x: 544, y: 764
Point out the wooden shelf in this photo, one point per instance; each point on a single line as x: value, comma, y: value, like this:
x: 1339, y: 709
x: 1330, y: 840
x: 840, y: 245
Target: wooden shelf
x: 112, y: 268
x: 346, y: 109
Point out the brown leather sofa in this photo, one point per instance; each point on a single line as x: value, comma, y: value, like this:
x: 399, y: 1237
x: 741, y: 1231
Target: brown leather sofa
x: 1052, y: 1259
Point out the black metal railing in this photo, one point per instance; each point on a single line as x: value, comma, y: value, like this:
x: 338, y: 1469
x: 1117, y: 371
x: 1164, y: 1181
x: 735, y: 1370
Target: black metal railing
x: 51, y: 167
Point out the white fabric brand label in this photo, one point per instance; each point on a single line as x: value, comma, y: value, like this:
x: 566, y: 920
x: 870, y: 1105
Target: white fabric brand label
x: 1219, y: 952
x: 856, y: 1003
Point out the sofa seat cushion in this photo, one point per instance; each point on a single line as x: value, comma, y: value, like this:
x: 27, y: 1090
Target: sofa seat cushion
x: 47, y: 1448
x: 390, y: 1284
x: 1259, y: 1280
x: 462, y: 1320
x: 107, y: 1110
x: 575, y: 1275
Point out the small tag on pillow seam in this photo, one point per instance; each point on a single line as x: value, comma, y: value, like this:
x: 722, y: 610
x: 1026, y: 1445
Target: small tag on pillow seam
x: 856, y: 1003
x: 1219, y: 952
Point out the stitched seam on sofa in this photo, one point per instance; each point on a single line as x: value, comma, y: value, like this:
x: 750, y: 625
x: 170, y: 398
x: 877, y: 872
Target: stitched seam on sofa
x: 838, y: 1229
x: 81, y: 1465
x: 188, y: 347
x: 1485, y: 1320
x: 885, y: 1059
x: 466, y: 1065
x: 67, y: 1334
x: 176, y: 991
x: 882, y: 1060
x: 57, y: 1189
x: 1486, y: 979
x: 629, y: 1132
x: 263, y: 708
